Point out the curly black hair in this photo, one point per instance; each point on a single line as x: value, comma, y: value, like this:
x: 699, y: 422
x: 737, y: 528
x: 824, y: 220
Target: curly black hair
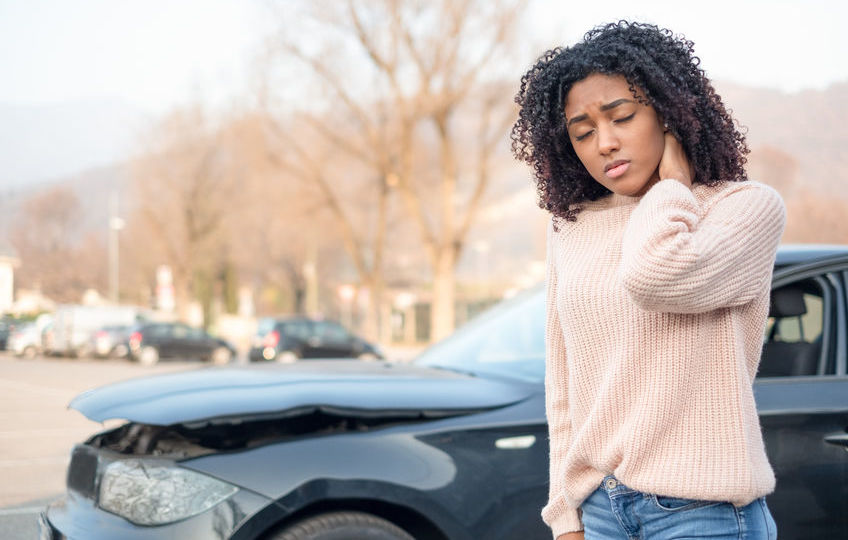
x: 654, y: 60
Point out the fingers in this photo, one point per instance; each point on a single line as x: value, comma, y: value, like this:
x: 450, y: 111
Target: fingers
x: 674, y: 163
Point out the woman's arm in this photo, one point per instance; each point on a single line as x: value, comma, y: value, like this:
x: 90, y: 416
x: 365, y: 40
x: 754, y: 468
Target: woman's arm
x: 557, y: 514
x: 684, y: 257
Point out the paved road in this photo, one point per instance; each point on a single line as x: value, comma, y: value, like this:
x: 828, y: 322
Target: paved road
x: 37, y: 431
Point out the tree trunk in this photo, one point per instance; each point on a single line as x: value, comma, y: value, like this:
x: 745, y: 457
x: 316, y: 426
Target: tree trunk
x: 442, y: 312
x: 444, y: 282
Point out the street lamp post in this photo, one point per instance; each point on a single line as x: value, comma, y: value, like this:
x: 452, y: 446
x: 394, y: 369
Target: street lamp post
x: 115, y: 226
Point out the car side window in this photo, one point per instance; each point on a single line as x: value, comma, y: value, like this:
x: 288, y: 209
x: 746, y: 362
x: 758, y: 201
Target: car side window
x: 331, y: 331
x: 160, y: 331
x: 180, y: 331
x: 796, y: 338
x: 196, y: 333
x: 806, y: 327
x: 297, y: 329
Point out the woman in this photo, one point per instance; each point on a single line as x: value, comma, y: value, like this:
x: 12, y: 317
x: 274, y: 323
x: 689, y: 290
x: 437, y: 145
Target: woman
x: 660, y: 255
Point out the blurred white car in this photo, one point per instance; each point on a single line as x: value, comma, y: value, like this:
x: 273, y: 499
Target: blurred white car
x: 25, y: 340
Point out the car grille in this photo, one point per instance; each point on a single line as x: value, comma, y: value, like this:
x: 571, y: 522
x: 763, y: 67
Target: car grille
x: 82, y: 472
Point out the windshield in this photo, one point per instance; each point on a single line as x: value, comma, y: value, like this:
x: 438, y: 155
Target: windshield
x: 508, y: 339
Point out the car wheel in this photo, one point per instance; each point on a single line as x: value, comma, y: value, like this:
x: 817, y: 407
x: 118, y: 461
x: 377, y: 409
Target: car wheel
x: 342, y: 526
x: 287, y: 357
x: 221, y: 355
x: 120, y: 351
x: 29, y: 352
x: 148, y: 356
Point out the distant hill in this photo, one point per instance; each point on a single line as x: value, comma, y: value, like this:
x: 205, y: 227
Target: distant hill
x: 797, y: 140
x: 46, y: 143
x: 808, y: 126
x: 94, y: 188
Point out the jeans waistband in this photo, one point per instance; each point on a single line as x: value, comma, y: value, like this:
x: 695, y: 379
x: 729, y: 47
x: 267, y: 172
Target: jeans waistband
x: 613, y: 486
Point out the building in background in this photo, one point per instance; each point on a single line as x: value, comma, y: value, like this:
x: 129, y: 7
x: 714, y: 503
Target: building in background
x: 8, y: 261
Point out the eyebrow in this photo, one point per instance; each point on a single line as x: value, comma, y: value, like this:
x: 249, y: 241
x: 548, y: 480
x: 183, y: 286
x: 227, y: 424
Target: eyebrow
x: 606, y: 107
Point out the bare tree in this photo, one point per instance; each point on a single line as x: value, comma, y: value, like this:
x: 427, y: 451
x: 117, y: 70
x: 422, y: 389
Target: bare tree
x: 186, y: 189
x: 280, y: 225
x: 418, y: 67
x: 55, y: 256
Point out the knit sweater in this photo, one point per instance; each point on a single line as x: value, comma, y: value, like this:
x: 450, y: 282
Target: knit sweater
x: 656, y: 309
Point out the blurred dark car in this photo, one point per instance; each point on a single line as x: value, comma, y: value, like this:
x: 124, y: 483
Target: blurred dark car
x: 6, y: 328
x: 8, y: 324
x: 111, y: 341
x: 452, y: 446
x: 289, y: 339
x: 151, y: 342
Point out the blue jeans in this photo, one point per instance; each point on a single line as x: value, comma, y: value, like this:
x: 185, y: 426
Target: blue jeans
x: 616, y: 512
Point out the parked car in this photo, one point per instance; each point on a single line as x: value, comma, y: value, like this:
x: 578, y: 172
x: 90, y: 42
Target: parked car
x: 25, y: 340
x: 289, y: 339
x: 74, y: 326
x: 150, y: 342
x: 451, y: 446
x: 6, y: 327
x: 111, y: 341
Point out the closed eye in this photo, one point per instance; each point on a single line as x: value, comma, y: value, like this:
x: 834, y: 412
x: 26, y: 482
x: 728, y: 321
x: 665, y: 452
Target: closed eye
x: 584, y: 135
x: 625, y: 119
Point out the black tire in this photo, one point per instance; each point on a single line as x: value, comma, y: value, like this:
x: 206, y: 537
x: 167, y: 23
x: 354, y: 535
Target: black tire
x: 221, y: 356
x: 342, y: 526
x: 148, y: 356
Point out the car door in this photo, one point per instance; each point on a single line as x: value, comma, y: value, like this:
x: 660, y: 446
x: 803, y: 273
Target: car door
x: 332, y: 340
x: 173, y: 340
x: 197, y: 343
x: 802, y: 398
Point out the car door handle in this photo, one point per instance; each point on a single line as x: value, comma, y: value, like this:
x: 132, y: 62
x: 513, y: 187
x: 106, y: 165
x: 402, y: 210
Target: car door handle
x: 840, y: 439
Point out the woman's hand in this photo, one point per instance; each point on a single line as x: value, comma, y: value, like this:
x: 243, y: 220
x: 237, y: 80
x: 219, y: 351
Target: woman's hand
x: 674, y: 163
x: 571, y: 536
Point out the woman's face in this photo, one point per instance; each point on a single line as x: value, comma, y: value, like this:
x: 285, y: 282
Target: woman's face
x: 619, y: 140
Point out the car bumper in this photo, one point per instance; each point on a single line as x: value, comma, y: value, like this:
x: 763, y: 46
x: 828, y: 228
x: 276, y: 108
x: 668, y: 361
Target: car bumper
x: 260, y: 354
x: 243, y: 516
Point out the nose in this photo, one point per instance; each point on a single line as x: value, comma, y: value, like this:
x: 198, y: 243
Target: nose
x: 607, y: 141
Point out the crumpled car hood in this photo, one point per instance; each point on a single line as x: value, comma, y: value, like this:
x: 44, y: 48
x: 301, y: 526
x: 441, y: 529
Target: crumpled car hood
x: 269, y: 389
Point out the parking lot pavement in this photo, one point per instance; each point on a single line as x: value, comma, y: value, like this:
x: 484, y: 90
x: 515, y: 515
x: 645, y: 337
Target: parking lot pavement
x: 37, y: 430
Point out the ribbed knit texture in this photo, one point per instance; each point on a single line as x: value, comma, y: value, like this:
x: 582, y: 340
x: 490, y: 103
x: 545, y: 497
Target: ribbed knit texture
x: 656, y: 313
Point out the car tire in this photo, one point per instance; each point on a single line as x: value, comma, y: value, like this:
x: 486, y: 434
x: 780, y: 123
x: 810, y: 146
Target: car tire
x: 221, y: 356
x: 29, y: 352
x: 287, y: 357
x: 148, y: 356
x: 342, y: 526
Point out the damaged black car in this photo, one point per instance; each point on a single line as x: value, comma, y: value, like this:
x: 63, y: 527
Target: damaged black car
x: 452, y: 446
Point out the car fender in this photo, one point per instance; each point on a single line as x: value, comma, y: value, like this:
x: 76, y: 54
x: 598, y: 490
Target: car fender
x: 394, y: 468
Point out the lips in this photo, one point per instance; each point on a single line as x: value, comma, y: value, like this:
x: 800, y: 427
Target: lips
x: 616, y: 168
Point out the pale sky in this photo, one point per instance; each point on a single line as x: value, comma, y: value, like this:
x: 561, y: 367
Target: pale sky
x: 153, y: 54
x: 156, y: 54
x: 80, y: 79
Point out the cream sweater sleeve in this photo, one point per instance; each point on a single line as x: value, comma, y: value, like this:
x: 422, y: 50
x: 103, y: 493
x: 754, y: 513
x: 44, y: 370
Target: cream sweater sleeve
x: 679, y: 256
x: 557, y: 514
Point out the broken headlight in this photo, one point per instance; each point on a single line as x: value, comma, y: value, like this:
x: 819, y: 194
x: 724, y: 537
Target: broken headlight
x: 149, y: 492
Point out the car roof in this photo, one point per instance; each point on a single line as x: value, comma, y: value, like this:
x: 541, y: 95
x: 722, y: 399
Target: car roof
x: 789, y: 254
x: 297, y: 318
